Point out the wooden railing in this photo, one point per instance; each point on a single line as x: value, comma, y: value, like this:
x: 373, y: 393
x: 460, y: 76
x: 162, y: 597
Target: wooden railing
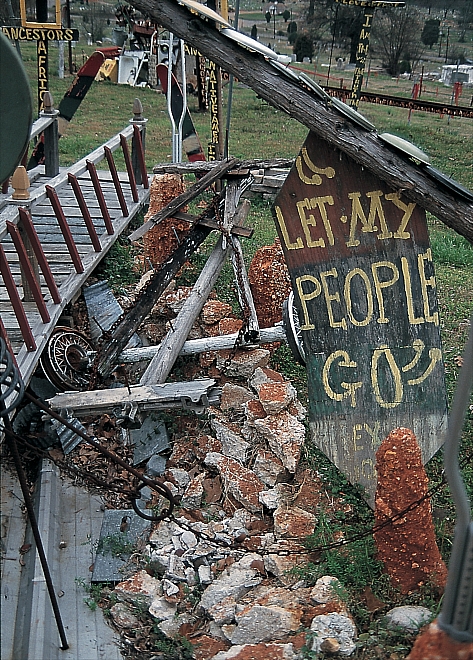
x: 66, y: 206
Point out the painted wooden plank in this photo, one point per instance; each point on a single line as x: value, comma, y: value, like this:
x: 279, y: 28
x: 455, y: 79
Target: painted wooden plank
x: 361, y: 268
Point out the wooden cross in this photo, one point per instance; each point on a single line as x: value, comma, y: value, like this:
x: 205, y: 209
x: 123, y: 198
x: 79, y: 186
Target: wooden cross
x: 364, y: 40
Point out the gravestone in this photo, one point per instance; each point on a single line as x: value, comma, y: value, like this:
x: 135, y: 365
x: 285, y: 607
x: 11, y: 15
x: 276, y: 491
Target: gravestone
x: 364, y: 289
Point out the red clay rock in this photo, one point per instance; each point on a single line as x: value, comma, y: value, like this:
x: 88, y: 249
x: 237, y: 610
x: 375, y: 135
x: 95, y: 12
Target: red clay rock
x: 229, y: 326
x: 214, y: 311
x: 254, y: 410
x: 407, y: 547
x: 292, y: 522
x: 234, y: 396
x: 205, y: 445
x: 258, y: 652
x: 270, y: 283
x: 434, y: 644
x: 240, y: 482
x: 161, y: 241
x: 206, y: 647
x: 285, y: 435
x: 275, y: 397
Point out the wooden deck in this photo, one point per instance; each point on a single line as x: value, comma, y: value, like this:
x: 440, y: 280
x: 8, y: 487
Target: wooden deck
x: 76, y: 217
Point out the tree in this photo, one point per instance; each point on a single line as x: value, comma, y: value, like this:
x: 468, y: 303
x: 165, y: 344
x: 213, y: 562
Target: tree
x: 396, y: 35
x: 254, y: 32
x: 268, y: 17
x: 431, y: 32
x: 286, y: 15
x: 303, y: 47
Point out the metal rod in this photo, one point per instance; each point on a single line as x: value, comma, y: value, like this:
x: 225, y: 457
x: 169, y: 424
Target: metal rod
x: 116, y: 181
x: 100, y: 197
x: 34, y: 526
x: 84, y: 209
x: 161, y: 488
x: 129, y: 168
x: 30, y: 230
x: 65, y: 229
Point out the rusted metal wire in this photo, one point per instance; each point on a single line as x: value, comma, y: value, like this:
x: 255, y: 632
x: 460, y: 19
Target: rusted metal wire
x: 159, y: 487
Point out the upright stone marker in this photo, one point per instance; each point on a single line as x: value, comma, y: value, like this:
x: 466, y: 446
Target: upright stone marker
x: 364, y: 288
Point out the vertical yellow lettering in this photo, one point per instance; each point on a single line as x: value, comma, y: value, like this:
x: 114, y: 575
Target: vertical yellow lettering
x: 331, y: 296
x: 376, y: 209
x: 407, y: 208
x: 369, y: 297
x: 357, y: 436
x: 282, y: 225
x: 304, y: 297
x: 308, y: 221
x: 357, y: 212
x: 427, y: 282
x: 379, y: 285
x: 413, y: 320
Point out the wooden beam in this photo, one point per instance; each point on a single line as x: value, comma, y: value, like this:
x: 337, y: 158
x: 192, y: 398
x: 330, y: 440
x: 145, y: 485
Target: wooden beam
x: 193, y: 346
x: 154, y: 289
x: 364, y: 147
x: 191, y: 193
x: 162, y: 363
x: 200, y: 166
x: 196, y: 395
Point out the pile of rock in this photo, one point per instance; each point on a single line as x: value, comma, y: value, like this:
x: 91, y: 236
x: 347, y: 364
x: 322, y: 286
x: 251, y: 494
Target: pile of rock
x: 227, y: 564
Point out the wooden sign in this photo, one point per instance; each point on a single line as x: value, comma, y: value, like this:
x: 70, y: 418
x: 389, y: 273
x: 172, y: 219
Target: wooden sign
x: 364, y: 288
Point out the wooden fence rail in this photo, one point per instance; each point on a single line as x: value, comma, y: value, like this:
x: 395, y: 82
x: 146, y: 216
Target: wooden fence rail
x: 51, y: 242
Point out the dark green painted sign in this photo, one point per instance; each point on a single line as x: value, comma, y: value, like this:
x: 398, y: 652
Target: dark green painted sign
x: 364, y: 287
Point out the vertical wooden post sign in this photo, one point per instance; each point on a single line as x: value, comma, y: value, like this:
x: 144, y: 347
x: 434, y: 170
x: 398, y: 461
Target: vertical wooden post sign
x: 364, y: 289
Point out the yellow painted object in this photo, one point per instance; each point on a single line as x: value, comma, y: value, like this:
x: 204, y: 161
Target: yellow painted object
x: 108, y: 71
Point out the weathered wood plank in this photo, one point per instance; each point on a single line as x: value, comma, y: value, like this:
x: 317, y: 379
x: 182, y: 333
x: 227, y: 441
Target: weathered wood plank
x: 162, y: 363
x: 193, y: 346
x: 154, y: 289
x: 195, y: 395
x: 362, y: 274
x: 205, y: 166
x: 187, y: 196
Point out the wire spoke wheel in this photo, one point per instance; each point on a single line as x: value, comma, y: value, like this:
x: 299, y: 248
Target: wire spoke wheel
x: 65, y: 361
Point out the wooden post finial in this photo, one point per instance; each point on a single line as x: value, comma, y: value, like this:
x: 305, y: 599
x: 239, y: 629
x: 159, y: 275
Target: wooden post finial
x: 137, y: 110
x: 48, y: 103
x: 20, y: 183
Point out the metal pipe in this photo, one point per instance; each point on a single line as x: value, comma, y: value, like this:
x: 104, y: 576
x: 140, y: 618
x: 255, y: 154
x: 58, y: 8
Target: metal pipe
x: 456, y: 617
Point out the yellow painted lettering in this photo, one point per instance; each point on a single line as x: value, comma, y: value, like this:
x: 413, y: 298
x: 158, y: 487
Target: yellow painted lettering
x: 426, y: 282
x: 329, y: 297
x: 282, y: 225
x: 307, y: 222
x: 407, y: 208
x: 342, y: 359
x: 304, y: 297
x: 348, y: 299
x: 373, y: 433
x: 357, y: 428
x: 435, y: 355
x: 357, y: 212
x: 413, y: 320
x: 320, y: 202
x: 378, y: 353
x: 379, y: 285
